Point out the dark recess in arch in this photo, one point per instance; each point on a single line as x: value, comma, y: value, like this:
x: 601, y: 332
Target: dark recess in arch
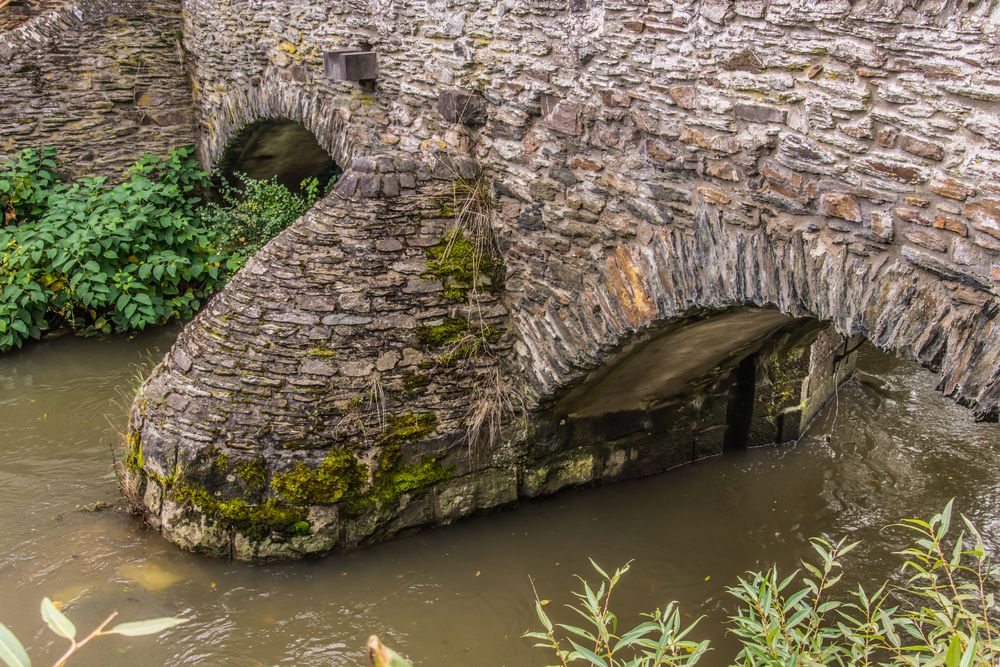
x: 278, y: 148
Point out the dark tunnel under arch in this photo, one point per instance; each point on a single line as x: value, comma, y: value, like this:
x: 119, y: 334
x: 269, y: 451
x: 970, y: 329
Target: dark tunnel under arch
x: 277, y: 148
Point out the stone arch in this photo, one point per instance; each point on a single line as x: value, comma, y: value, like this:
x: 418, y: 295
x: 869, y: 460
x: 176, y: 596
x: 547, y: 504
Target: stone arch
x: 939, y: 318
x: 277, y: 99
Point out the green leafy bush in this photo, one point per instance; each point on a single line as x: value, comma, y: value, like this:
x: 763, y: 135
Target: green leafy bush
x: 91, y: 257
x: 250, y: 216
x: 95, y: 258
x: 942, y: 613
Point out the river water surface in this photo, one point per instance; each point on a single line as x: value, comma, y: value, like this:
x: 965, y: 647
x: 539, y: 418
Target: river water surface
x: 888, y: 447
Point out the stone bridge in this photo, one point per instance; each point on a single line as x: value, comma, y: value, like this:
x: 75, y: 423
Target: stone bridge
x: 574, y: 240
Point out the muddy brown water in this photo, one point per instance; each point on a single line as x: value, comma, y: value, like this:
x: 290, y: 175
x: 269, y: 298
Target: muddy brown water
x: 886, y: 448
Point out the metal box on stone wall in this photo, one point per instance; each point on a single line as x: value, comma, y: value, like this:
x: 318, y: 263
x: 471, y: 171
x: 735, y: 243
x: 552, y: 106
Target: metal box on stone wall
x: 351, y: 65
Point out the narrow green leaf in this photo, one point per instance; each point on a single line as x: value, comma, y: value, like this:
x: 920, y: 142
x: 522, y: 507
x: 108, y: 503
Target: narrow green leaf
x: 588, y: 655
x: 57, y: 621
x: 11, y: 650
x: 151, y: 626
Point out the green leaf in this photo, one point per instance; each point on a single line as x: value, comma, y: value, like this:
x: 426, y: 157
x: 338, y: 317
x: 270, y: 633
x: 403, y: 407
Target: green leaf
x: 588, y: 655
x: 954, y: 655
x: 11, y: 650
x: 57, y: 621
x: 151, y: 626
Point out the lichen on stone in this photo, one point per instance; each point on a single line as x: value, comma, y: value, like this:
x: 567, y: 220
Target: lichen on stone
x: 321, y: 352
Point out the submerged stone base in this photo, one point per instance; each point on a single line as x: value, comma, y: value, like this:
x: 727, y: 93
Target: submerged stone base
x: 694, y: 389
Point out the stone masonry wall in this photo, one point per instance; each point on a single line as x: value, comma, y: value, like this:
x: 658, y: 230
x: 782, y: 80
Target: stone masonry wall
x: 864, y: 130
x: 648, y: 160
x: 102, y: 80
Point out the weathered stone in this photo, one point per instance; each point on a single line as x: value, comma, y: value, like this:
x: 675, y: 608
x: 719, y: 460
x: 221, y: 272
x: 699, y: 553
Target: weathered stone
x: 950, y: 188
x: 759, y: 113
x: 921, y: 147
x: 926, y: 239
x: 460, y: 107
x: 565, y: 118
x: 345, y: 319
x: 750, y: 8
x: 356, y: 369
x: 388, y: 245
x: 387, y: 361
x: 840, y: 205
x: 317, y: 367
x: 887, y: 136
x: 951, y: 224
x: 686, y: 97
x: 881, y: 225
x: 898, y: 170
x: 985, y: 215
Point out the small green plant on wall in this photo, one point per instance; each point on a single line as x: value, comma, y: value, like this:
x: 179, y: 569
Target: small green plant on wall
x: 13, y: 654
x: 251, y: 215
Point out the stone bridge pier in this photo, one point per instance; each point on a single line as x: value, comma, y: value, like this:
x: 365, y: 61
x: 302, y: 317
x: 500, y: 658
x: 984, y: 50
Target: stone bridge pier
x: 312, y: 399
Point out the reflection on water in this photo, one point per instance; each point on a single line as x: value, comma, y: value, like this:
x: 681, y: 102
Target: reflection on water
x: 887, y: 447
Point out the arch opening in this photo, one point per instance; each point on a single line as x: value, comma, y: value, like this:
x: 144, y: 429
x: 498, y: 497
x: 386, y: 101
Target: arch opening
x: 696, y: 387
x: 278, y: 148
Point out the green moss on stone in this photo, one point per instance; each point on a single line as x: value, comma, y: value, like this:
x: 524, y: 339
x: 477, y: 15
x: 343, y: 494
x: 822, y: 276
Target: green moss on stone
x: 415, y: 383
x: 255, y: 520
x: 220, y: 460
x: 392, y: 476
x: 253, y: 474
x: 393, y: 483
x: 407, y: 427
x: 133, y: 452
x: 449, y: 332
x: 337, y: 476
x: 460, y: 266
x: 321, y: 352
